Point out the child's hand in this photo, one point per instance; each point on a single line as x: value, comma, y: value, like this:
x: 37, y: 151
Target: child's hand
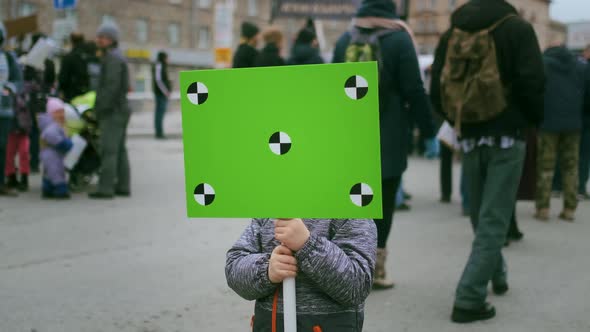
x: 292, y: 233
x: 282, y: 265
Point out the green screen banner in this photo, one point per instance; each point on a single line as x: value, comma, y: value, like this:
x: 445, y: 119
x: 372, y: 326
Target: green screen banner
x: 282, y: 142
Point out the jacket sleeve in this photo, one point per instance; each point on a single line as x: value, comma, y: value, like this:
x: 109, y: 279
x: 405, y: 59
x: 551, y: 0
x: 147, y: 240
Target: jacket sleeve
x: 339, y: 55
x: 343, y: 266
x: 528, y: 72
x: 409, y: 81
x: 246, y: 267
x: 55, y: 137
x: 437, y: 67
x: 110, y: 86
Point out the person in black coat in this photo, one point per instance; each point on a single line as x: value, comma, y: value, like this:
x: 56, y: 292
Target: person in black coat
x: 162, y: 90
x: 73, y: 75
x: 271, y: 53
x: 305, y: 51
x: 246, y: 52
x: 400, y: 85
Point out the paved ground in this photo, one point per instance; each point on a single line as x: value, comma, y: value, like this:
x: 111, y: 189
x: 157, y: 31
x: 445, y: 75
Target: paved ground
x: 139, y: 265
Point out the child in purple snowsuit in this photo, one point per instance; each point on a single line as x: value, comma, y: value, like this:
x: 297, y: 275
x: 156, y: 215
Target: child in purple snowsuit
x: 54, y: 145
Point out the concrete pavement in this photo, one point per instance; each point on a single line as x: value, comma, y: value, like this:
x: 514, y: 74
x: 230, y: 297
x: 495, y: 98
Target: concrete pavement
x: 139, y: 265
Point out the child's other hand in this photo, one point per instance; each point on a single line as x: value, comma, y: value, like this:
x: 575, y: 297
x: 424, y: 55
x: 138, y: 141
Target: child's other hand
x: 282, y: 265
x: 291, y: 233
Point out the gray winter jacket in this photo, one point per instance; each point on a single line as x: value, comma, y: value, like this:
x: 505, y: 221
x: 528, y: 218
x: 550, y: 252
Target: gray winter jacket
x: 335, y: 273
x: 10, y: 79
x: 111, y: 94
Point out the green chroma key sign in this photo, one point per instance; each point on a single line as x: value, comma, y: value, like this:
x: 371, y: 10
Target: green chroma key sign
x: 288, y: 142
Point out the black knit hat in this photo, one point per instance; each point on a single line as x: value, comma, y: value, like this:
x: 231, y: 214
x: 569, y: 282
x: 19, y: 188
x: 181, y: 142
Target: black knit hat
x: 249, y: 30
x: 378, y: 8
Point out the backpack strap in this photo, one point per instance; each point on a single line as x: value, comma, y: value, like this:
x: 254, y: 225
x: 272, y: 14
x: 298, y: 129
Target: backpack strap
x: 500, y: 22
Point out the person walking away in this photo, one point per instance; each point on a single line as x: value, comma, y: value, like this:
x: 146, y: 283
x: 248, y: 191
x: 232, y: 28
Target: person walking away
x: 331, y: 260
x: 377, y: 27
x: 507, y: 60
x: 271, y: 53
x: 585, y: 135
x: 246, y: 53
x: 55, y: 144
x: 73, y: 75
x: 559, y: 135
x: 112, y: 112
x: 306, y: 50
x: 162, y: 90
x: 10, y: 84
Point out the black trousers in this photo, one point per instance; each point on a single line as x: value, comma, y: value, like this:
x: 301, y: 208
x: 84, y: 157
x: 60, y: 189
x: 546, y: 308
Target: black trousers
x: 446, y: 171
x: 389, y: 189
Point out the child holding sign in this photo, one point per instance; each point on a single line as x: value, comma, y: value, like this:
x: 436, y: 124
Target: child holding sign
x: 333, y: 261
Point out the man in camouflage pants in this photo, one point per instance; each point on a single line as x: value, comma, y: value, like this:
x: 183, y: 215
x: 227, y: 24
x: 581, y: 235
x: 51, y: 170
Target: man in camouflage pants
x: 559, y: 135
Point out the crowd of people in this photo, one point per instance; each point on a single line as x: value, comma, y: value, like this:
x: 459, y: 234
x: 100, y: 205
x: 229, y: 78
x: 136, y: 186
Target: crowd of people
x: 515, y: 112
x: 34, y: 104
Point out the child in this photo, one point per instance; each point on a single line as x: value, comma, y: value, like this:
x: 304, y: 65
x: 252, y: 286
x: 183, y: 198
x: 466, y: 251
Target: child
x: 54, y: 145
x: 333, y: 261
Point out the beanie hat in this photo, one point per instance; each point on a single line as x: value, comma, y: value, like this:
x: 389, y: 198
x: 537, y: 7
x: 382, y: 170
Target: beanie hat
x: 109, y: 30
x: 249, y: 30
x: 305, y: 36
x: 54, y: 105
x: 378, y: 8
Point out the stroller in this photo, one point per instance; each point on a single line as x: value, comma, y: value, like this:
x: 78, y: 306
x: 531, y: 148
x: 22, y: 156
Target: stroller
x: 81, y: 120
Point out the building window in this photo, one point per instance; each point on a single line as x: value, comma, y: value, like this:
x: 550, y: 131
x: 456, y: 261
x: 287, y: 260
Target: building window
x: 252, y: 7
x: 108, y: 19
x: 141, y: 26
x: 205, y: 3
x: 174, y: 34
x: 204, y: 38
x: 26, y: 9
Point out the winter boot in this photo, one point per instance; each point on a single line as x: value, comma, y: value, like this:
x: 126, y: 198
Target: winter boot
x: 12, y: 182
x: 24, y: 183
x: 380, y: 280
x: 542, y: 214
x: 567, y: 215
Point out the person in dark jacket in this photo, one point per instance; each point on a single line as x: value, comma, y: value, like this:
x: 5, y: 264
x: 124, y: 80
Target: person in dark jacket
x: 112, y: 112
x: 585, y: 135
x: 559, y: 134
x: 305, y: 50
x: 400, y: 84
x: 162, y: 90
x: 271, y: 53
x: 494, y: 150
x: 332, y: 262
x: 246, y: 53
x: 73, y: 76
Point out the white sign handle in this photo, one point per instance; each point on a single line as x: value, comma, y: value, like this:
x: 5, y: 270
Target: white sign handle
x: 289, y: 305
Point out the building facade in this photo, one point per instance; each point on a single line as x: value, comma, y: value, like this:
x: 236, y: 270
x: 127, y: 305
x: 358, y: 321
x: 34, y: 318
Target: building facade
x: 431, y: 18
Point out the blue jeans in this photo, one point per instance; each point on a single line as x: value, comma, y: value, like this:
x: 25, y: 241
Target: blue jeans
x: 161, y: 105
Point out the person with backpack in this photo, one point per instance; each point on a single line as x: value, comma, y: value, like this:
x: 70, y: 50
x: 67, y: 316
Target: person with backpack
x: 559, y: 134
x: 10, y: 85
x: 246, y: 53
x: 73, y: 76
x: 488, y: 81
x: 378, y: 34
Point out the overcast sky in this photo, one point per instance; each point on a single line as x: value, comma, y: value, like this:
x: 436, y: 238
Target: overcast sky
x: 570, y: 10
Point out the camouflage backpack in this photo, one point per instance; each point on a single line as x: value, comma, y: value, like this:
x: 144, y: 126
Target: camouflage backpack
x: 365, y: 47
x: 471, y: 88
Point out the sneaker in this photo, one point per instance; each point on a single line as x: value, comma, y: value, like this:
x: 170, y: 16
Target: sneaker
x: 11, y: 182
x: 99, y: 195
x: 487, y: 311
x: 445, y: 200
x: 500, y: 289
x: 407, y: 197
x: 23, y: 185
x: 7, y: 192
x: 123, y: 193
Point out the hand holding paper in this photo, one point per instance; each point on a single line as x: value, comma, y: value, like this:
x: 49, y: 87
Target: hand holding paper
x: 282, y: 265
x: 292, y: 233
